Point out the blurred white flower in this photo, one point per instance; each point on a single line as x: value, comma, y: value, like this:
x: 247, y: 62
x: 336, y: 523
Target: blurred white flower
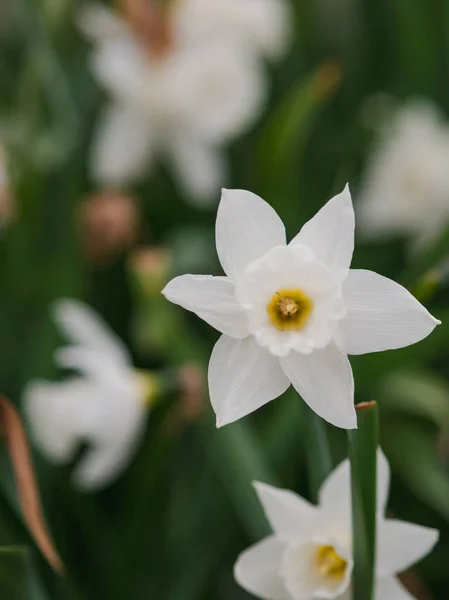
x: 291, y: 313
x: 406, y: 185
x: 309, y: 555
x: 183, y: 103
x: 105, y: 405
x: 265, y: 26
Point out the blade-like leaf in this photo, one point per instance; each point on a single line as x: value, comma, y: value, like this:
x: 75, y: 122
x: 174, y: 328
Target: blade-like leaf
x: 363, y: 444
x: 17, y: 444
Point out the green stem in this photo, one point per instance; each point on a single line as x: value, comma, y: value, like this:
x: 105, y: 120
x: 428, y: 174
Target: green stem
x: 317, y: 450
x: 363, y: 444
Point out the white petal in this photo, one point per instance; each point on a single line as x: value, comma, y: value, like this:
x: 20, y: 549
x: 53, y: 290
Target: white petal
x: 201, y: 168
x: 122, y: 147
x: 400, y: 545
x: 302, y: 577
x: 330, y: 234
x: 247, y: 227
x: 96, y: 367
x: 391, y: 589
x: 84, y: 327
x: 49, y: 411
x: 324, y: 380
x: 335, y: 493
x: 383, y: 482
x: 121, y: 66
x: 290, y: 516
x: 98, y: 23
x: 382, y: 315
x: 242, y: 378
x: 63, y: 415
x: 212, y: 299
x: 257, y: 570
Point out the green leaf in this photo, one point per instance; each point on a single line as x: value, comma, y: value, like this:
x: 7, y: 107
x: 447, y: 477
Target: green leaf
x: 317, y: 450
x: 418, y: 393
x: 238, y: 461
x: 413, y: 454
x: 363, y: 444
x: 15, y: 570
x: 284, y: 138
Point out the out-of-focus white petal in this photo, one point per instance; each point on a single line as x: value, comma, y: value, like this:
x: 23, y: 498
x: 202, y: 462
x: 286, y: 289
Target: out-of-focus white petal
x: 212, y: 299
x: 383, y: 482
x: 400, y: 545
x: 381, y: 314
x: 335, y: 492
x: 84, y: 327
x: 225, y: 91
x: 63, y: 415
x: 330, y: 234
x: 123, y: 146
x: 49, y: 410
x: 200, y: 167
x: 261, y: 25
x: 98, y: 23
x: 242, y: 378
x: 94, y: 366
x: 324, y: 380
x: 121, y: 65
x: 291, y: 517
x: 107, y: 458
x: 257, y: 570
x: 247, y: 227
x: 391, y: 589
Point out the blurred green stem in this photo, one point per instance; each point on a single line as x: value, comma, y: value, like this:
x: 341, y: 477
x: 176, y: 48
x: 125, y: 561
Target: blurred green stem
x: 317, y: 450
x: 426, y: 259
x: 362, y: 443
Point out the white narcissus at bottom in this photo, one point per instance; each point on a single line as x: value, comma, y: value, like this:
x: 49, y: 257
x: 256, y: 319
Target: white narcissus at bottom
x: 309, y: 556
x: 104, y: 406
x: 291, y: 313
x: 184, y: 105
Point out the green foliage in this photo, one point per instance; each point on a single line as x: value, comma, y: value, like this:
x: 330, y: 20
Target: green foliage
x: 174, y: 522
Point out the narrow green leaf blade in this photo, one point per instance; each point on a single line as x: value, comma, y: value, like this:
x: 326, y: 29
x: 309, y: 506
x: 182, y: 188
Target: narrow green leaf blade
x: 317, y: 450
x: 14, y: 573
x: 363, y: 444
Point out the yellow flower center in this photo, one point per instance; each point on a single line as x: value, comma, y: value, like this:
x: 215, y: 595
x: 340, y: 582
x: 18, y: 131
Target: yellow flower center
x: 330, y: 563
x: 289, y: 309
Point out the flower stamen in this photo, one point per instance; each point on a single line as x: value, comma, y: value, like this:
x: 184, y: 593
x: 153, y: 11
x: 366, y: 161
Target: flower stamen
x: 330, y: 564
x: 289, y: 309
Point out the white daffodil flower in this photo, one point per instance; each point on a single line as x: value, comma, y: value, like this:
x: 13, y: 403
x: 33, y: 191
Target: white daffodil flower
x: 265, y: 26
x: 406, y: 185
x: 290, y: 313
x: 105, y: 405
x: 183, y: 105
x: 309, y: 555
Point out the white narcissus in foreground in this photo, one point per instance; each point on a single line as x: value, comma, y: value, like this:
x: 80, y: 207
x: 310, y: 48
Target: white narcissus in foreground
x: 265, y: 26
x: 183, y: 105
x: 290, y: 314
x: 105, y: 405
x: 309, y: 555
x: 406, y: 186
